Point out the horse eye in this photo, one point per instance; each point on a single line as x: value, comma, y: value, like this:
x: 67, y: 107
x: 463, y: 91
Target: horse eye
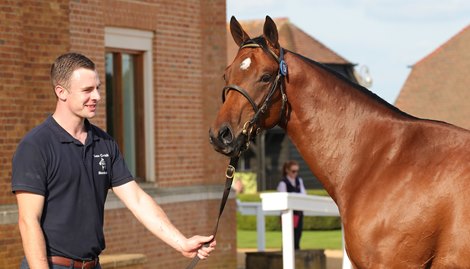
x: 224, y: 78
x: 266, y: 78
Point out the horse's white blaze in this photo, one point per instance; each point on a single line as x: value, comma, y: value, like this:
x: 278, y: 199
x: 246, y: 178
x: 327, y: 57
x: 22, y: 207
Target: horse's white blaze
x: 245, y: 64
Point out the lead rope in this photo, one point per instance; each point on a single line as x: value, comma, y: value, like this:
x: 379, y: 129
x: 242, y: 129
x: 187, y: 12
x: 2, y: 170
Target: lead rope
x: 229, y: 173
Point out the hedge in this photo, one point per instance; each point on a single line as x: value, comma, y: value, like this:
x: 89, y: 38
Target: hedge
x: 273, y: 223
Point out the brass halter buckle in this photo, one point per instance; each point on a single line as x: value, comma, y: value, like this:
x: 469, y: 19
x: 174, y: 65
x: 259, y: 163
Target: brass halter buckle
x: 247, y: 129
x: 230, y: 172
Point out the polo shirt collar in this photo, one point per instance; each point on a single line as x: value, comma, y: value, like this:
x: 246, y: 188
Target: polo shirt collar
x: 64, y: 136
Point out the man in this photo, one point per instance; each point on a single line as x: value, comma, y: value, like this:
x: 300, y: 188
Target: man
x: 62, y: 170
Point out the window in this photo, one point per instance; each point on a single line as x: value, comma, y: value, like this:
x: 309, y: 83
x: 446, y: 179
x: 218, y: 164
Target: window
x: 124, y: 107
x: 129, y: 98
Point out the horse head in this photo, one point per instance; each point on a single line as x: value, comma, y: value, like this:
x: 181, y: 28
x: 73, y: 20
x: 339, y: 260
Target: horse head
x: 253, y: 96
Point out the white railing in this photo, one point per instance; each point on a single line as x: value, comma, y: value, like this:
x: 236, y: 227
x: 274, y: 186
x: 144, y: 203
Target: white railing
x: 284, y: 204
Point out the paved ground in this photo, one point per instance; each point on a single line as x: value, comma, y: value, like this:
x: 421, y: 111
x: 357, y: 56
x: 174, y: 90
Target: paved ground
x: 334, y: 258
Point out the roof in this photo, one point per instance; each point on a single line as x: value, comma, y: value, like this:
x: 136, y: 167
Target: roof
x: 438, y: 86
x: 290, y: 37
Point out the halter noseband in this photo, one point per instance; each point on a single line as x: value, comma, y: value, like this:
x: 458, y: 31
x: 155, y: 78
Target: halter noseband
x: 260, y: 110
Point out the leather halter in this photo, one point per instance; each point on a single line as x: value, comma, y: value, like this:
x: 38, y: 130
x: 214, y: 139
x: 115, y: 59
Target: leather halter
x: 261, y: 109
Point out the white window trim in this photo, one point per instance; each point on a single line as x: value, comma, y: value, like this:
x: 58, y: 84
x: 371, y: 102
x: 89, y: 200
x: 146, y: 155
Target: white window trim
x: 124, y: 38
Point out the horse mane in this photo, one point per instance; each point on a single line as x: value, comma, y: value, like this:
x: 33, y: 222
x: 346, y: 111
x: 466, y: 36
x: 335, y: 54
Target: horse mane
x: 260, y: 40
x: 354, y: 85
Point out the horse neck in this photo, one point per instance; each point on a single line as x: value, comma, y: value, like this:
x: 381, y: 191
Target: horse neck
x: 334, y: 125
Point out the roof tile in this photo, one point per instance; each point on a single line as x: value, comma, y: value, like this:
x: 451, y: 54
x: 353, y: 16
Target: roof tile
x: 438, y: 86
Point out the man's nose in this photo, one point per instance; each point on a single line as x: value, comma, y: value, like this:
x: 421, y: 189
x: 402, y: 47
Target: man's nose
x: 95, y: 95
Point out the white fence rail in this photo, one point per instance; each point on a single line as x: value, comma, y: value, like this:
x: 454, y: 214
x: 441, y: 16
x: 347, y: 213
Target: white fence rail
x: 284, y: 204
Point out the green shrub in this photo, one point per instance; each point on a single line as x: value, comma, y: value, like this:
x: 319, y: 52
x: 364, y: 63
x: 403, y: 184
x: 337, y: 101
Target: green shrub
x: 248, y: 180
x: 273, y: 223
x: 249, y: 197
x: 321, y: 223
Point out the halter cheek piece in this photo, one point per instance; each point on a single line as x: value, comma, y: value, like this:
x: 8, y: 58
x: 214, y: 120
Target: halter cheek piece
x: 260, y: 110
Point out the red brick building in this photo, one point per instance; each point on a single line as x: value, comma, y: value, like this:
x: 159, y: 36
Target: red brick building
x: 161, y: 62
x: 438, y: 86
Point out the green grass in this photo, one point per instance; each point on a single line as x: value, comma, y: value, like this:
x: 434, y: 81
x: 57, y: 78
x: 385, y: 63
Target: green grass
x: 310, y: 239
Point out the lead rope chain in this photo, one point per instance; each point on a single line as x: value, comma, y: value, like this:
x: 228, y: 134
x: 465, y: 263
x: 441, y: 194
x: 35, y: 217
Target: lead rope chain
x: 229, y: 173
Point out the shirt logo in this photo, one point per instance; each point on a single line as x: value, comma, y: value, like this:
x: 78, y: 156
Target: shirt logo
x: 102, y: 163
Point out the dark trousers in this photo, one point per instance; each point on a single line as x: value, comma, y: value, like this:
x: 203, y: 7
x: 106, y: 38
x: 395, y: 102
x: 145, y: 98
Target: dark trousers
x: 298, y: 231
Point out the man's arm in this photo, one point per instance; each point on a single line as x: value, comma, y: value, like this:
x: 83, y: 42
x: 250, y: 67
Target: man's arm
x: 30, y: 208
x: 152, y: 216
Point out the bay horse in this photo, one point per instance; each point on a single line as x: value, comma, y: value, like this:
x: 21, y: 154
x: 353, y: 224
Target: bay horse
x: 401, y: 183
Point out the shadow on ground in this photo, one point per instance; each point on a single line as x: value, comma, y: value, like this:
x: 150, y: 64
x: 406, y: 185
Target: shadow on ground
x: 334, y: 258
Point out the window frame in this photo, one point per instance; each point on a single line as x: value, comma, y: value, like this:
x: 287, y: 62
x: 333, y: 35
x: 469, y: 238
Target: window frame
x: 131, y: 40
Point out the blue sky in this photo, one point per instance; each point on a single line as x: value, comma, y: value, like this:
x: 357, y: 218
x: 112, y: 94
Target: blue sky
x: 387, y: 36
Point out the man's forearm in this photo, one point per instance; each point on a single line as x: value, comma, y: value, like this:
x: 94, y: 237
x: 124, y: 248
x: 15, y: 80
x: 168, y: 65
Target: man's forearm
x: 33, y: 244
x: 150, y: 214
x: 156, y: 221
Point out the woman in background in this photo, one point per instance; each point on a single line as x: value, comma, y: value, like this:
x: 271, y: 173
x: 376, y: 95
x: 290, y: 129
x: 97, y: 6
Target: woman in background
x: 291, y: 182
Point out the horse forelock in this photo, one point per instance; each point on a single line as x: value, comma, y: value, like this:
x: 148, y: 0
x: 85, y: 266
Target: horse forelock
x: 257, y: 40
x: 260, y: 41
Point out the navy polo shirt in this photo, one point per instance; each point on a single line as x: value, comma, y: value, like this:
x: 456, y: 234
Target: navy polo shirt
x: 74, y: 179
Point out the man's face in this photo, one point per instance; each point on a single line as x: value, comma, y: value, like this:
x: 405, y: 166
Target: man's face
x: 83, y: 94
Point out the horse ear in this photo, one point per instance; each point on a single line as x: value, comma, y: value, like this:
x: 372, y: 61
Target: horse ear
x: 238, y: 34
x: 270, y: 32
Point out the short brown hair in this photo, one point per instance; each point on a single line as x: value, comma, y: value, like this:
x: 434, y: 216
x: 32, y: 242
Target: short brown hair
x: 287, y: 165
x: 64, y: 65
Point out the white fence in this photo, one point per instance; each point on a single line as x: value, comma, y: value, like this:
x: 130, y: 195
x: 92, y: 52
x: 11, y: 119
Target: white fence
x: 284, y: 204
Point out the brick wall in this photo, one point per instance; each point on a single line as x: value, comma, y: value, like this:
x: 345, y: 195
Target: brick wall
x: 214, y: 47
x: 31, y: 36
x: 11, y: 250
x: 189, y: 58
x: 11, y: 59
x: 124, y: 234
x: 179, y: 100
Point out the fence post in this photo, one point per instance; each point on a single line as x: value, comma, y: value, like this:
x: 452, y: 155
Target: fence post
x: 288, y: 252
x: 260, y: 228
x: 346, y: 261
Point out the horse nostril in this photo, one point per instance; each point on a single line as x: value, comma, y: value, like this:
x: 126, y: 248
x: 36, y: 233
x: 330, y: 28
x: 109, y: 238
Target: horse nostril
x: 225, y: 135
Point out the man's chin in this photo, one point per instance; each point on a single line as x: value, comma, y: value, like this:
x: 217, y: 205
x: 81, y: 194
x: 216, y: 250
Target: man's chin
x: 89, y: 115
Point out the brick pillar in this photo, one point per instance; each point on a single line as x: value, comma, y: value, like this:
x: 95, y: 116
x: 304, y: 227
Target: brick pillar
x: 214, y: 51
x: 33, y: 34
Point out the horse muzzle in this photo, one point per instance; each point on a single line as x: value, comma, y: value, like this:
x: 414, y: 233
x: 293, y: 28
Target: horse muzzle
x: 224, y: 141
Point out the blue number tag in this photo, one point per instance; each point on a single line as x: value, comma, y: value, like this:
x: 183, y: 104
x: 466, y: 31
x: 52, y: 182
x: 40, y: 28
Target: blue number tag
x: 283, y: 68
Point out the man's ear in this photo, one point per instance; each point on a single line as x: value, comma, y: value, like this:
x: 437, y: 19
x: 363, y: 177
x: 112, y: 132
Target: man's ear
x: 61, y: 93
